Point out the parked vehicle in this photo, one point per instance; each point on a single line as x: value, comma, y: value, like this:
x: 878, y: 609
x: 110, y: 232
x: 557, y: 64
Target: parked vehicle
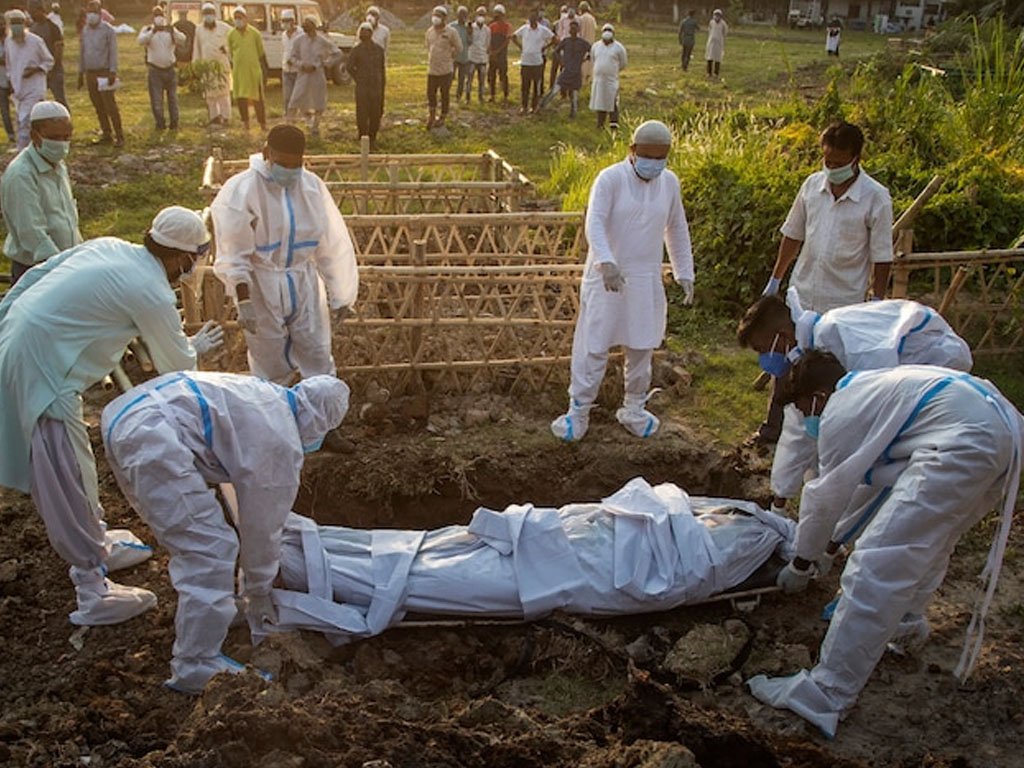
x: 805, y: 14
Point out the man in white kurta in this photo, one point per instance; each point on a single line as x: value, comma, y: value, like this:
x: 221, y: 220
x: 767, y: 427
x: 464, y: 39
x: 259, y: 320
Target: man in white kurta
x: 608, y: 56
x: 28, y: 60
x: 285, y: 255
x: 63, y: 327
x: 714, y: 49
x: 310, y: 53
x: 211, y: 44
x: 634, y: 211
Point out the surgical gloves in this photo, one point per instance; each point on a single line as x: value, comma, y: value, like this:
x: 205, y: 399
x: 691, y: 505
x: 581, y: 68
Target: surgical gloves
x: 338, y: 314
x: 772, y: 288
x: 260, y: 609
x: 613, y: 279
x: 790, y: 580
x: 687, y: 286
x: 246, y: 315
x: 209, y: 338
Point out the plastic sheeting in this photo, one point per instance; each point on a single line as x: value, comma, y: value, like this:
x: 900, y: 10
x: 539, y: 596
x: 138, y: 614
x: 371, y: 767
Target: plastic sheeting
x: 642, y: 549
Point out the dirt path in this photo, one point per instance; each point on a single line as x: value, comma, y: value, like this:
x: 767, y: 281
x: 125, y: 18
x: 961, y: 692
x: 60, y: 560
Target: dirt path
x: 556, y: 693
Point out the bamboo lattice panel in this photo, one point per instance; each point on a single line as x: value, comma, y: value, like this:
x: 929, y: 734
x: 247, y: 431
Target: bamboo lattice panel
x: 987, y: 310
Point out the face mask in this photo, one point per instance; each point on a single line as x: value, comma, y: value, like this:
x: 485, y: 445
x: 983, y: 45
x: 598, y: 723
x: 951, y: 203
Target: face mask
x: 92, y: 19
x: 239, y: 23
x: 774, y: 363
x: 607, y: 36
x: 54, y: 150
x: 648, y: 167
x: 812, y: 423
x: 159, y: 21
x: 840, y: 175
x: 370, y: 18
x: 480, y: 21
x: 190, y: 273
x: 209, y: 19
x: 286, y: 177
x: 313, y: 447
x: 436, y: 21
x: 17, y: 30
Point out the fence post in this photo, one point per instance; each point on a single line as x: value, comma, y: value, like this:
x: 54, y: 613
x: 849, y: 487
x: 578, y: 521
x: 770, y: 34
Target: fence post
x: 900, y: 271
x: 419, y: 260
x: 364, y: 158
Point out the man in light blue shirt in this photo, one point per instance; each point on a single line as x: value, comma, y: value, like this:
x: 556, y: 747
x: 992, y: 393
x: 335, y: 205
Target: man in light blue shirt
x: 97, y: 68
x: 35, y: 193
x: 64, y: 327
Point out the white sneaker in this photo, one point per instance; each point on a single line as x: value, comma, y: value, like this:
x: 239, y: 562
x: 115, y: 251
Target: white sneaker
x: 573, y: 424
x: 635, y: 418
x: 125, y: 548
x: 102, y: 602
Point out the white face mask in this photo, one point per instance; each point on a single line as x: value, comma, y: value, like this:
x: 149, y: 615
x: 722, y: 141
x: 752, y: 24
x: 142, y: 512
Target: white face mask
x: 209, y: 19
x: 159, y: 21
x: 436, y: 21
x: 370, y: 18
x: 607, y: 36
x: 480, y: 21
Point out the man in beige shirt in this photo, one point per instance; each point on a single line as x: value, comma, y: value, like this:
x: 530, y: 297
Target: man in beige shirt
x: 443, y: 45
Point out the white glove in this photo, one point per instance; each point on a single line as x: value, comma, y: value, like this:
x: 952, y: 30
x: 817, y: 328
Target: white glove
x: 246, y: 315
x: 772, y: 288
x: 338, y: 315
x: 208, y: 338
x: 791, y: 581
x: 687, y: 286
x: 613, y: 279
x: 260, y: 609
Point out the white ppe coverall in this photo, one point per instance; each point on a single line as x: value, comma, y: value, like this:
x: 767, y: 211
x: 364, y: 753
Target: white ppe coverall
x: 641, y: 549
x: 629, y: 223
x: 287, y: 244
x: 63, y: 327
x: 168, y: 440
x: 943, y: 448
x: 865, y: 336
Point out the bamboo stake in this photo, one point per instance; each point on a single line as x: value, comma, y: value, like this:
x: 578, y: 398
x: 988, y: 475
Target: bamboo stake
x: 123, y: 382
x: 954, y: 288
x: 904, y: 221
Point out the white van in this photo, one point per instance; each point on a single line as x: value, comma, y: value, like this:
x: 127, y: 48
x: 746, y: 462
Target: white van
x: 266, y: 17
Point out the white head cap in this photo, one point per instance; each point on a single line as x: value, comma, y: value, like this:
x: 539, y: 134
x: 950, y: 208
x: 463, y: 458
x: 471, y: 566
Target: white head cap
x: 366, y: 25
x: 717, y: 12
x: 653, y: 132
x: 209, y: 7
x: 240, y: 9
x: 440, y: 10
x: 374, y: 10
x: 499, y: 8
x: 607, y: 28
x: 321, y: 402
x: 48, y: 110
x: 288, y: 13
x: 179, y: 228
x: 15, y: 15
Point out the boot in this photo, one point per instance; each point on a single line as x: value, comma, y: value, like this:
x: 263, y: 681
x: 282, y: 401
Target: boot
x: 573, y: 424
x: 125, y: 549
x: 635, y: 418
x: 102, y: 602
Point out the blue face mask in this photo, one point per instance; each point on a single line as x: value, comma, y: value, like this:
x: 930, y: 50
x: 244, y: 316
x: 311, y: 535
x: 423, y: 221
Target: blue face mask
x: 842, y: 174
x: 774, y: 363
x: 313, y: 447
x: 286, y: 177
x: 812, y: 423
x: 649, y: 168
x: 92, y: 19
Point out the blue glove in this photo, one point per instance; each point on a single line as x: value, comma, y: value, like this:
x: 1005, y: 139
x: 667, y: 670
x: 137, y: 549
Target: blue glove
x: 772, y: 288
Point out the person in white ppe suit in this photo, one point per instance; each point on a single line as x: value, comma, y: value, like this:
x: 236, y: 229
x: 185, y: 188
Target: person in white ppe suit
x: 63, y: 327
x: 941, y: 448
x: 865, y: 336
x: 635, y: 210
x: 167, y: 441
x: 285, y: 255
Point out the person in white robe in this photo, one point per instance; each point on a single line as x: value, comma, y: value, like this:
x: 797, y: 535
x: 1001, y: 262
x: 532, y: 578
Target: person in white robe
x: 310, y: 54
x: 211, y: 44
x: 608, y: 57
x: 635, y: 210
x: 941, y: 448
x: 28, y: 60
x: 714, y: 49
x: 285, y: 255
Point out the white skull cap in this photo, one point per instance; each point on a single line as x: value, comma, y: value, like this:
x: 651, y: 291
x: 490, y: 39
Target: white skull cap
x: 48, y: 110
x: 366, y: 25
x: 240, y: 9
x: 15, y: 15
x: 440, y: 10
x: 179, y: 228
x: 607, y: 28
x: 499, y: 8
x: 653, y: 132
x: 288, y: 13
x: 208, y: 7
x: 374, y: 10
x: 717, y: 12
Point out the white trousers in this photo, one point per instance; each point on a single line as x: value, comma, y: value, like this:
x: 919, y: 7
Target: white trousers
x: 587, y: 371
x: 157, y: 473
x: 219, y: 105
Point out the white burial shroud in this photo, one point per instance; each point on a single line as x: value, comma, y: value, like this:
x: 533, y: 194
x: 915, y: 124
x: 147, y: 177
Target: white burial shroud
x: 642, y: 549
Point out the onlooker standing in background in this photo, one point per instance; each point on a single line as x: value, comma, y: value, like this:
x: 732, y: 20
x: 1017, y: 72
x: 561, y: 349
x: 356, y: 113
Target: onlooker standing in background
x: 501, y: 36
x: 462, y: 67
x: 381, y: 33
x: 35, y: 193
x: 310, y: 54
x: 161, y: 41
x: 289, y: 31
x: 248, y: 65
x: 443, y: 45
x: 183, y: 52
x: 97, y: 58
x: 533, y: 39
x: 832, y: 36
x: 365, y: 63
x: 479, y: 47
x: 588, y: 31
x: 609, y: 58
x: 5, y: 86
x: 28, y: 61
x: 54, y: 16
x: 573, y: 51
x: 54, y: 39
x: 211, y: 44
x: 714, y: 50
x: 688, y: 37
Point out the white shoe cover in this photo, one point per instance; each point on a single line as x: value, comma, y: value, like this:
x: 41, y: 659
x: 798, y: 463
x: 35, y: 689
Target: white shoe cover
x: 191, y: 675
x: 910, y: 636
x: 573, y: 424
x: 125, y: 548
x: 635, y: 418
x: 102, y: 602
x: 799, y: 694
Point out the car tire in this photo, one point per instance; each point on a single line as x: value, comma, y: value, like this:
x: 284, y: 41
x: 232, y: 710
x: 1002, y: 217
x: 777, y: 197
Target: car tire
x: 340, y: 75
